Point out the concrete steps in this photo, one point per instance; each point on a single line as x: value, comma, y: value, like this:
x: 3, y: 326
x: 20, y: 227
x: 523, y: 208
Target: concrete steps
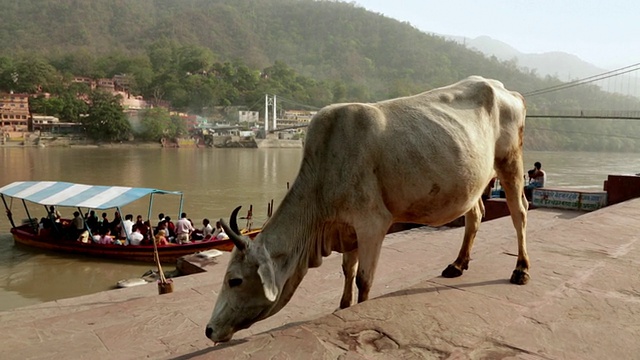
x: 135, y: 322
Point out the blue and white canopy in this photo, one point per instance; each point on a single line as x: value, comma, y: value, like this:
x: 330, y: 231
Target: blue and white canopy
x: 77, y: 195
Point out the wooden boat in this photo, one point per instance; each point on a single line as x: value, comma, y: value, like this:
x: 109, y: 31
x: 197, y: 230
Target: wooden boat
x: 91, y: 197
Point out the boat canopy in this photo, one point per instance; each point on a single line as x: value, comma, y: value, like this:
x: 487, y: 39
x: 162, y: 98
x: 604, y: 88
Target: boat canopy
x: 77, y: 195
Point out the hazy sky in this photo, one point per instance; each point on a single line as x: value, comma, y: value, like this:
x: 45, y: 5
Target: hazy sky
x: 604, y: 33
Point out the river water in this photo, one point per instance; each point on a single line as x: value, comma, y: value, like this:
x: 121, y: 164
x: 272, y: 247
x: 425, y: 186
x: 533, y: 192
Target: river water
x: 214, y: 181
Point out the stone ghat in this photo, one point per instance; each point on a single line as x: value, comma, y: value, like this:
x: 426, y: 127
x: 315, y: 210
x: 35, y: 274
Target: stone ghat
x: 582, y: 303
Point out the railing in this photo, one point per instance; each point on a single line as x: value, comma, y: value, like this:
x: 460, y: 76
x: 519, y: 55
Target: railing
x: 586, y: 114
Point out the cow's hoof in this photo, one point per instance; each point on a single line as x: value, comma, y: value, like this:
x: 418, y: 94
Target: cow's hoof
x: 451, y: 271
x: 519, y: 277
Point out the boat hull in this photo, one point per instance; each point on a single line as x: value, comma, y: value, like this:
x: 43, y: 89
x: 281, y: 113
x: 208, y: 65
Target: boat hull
x: 141, y: 253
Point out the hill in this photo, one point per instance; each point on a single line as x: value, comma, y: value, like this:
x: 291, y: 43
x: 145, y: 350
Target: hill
x: 320, y: 39
x: 564, y: 66
x: 311, y: 52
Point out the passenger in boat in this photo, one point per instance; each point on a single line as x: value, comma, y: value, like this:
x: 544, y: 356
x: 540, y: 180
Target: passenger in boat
x: 205, y: 233
x: 116, y: 224
x: 161, y: 239
x: 54, y: 214
x: 92, y: 222
x: 136, y: 237
x: 160, y: 219
x: 217, y: 230
x: 127, y: 226
x: 207, y: 229
x: 84, y: 236
x: 77, y: 224
x: 44, y: 226
x: 219, y: 233
x: 104, y: 224
x: 145, y: 230
x: 183, y: 230
x: 162, y: 225
x: 139, y: 221
x: 106, y: 238
x: 171, y: 229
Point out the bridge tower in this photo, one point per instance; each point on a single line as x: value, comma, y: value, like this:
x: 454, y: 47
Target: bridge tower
x: 269, y: 101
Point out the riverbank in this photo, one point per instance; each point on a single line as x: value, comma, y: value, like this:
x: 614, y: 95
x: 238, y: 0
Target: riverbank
x: 82, y: 144
x: 577, y: 259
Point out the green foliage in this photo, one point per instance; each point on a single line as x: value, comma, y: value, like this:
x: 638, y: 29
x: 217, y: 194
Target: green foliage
x: 67, y: 107
x: 155, y: 123
x: 106, y: 120
x: 177, y: 127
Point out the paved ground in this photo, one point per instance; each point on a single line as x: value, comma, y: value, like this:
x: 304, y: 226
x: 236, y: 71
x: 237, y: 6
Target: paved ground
x: 583, y: 302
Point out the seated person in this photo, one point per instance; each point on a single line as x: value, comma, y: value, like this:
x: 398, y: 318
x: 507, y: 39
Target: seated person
x: 162, y: 226
x: 537, y: 179
x: 136, y: 237
x: 84, y: 236
x: 537, y: 176
x: 44, y: 227
x: 161, y: 239
x: 106, y: 238
x: 171, y: 229
x: 205, y: 233
x: 219, y: 232
x: 145, y: 230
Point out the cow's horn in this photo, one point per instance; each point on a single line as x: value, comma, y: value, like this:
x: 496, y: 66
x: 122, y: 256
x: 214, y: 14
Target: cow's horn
x: 233, y: 222
x: 238, y: 240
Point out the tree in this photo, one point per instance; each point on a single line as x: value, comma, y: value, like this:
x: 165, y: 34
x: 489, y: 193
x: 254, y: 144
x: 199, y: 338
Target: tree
x: 73, y: 108
x: 106, y: 120
x: 33, y: 74
x: 154, y: 123
x: 178, y: 127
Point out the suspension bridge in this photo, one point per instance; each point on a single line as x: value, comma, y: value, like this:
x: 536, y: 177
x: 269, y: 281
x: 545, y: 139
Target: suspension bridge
x: 623, y: 82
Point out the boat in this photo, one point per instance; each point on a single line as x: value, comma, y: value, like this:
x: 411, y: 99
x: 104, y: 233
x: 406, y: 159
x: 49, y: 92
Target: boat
x: 94, y: 197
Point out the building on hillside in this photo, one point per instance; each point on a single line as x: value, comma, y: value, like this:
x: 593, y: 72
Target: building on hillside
x: 295, y: 118
x: 85, y: 80
x: 14, y: 116
x: 106, y: 84
x: 248, y: 117
x: 121, y: 83
x: 53, y: 125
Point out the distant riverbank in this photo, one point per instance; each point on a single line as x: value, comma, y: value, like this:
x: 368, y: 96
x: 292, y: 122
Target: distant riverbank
x: 82, y: 143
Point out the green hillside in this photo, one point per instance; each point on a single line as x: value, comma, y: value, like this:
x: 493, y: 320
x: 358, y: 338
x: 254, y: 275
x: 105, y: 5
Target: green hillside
x: 312, y: 52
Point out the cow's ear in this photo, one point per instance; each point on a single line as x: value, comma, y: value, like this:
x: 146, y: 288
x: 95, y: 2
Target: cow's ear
x: 268, y: 278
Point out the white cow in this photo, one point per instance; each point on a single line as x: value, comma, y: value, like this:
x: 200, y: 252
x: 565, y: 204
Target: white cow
x: 420, y: 159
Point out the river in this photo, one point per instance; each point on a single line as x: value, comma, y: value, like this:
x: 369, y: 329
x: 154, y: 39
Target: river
x: 214, y: 181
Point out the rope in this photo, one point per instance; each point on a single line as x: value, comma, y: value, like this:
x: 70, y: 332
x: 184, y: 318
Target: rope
x: 156, y: 255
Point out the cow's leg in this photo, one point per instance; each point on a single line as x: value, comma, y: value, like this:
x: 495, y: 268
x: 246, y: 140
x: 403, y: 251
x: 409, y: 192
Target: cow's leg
x: 472, y: 221
x: 512, y: 180
x: 369, y: 244
x: 349, y: 268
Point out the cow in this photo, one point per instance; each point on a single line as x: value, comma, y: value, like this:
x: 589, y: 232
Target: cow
x: 419, y: 159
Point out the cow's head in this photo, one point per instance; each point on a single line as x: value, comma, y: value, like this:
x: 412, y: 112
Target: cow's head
x: 249, y: 291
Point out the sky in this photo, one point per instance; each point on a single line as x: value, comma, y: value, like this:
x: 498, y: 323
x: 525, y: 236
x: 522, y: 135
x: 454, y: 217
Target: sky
x: 604, y: 33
